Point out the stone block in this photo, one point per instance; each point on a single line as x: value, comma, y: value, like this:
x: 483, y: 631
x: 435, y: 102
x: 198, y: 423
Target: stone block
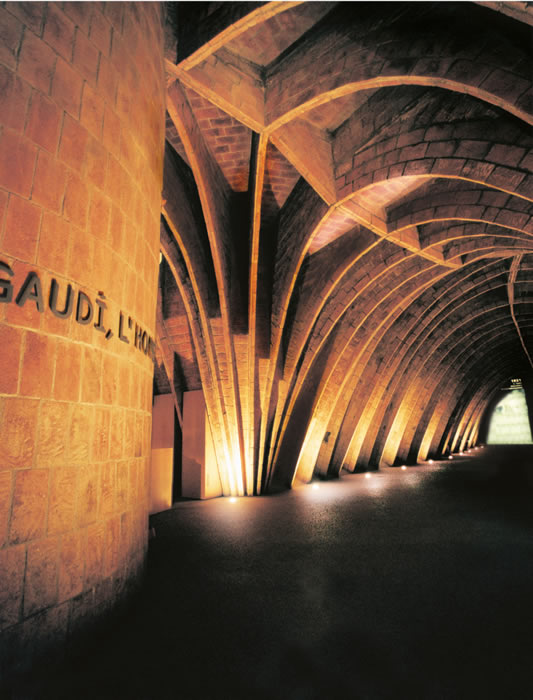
x: 133, y: 495
x: 44, y: 121
x: 94, y: 567
x: 99, y: 215
x: 17, y: 160
x: 112, y: 545
x: 96, y: 164
x: 30, y: 13
x: 122, y: 485
x: 504, y: 154
x: 91, y: 375
x: 477, y: 170
x: 80, y: 13
x: 440, y: 149
x: 81, y: 266
x: 37, y: 365
x: 30, y: 500
x: 71, y: 565
x: 85, y: 57
x: 88, y: 489
x: 80, y: 432
x: 73, y: 143
x: 53, y: 423
x: 114, y: 12
x: 40, y: 586
x: 107, y: 81
x: 14, y: 98
x: 107, y: 489
x: 109, y: 379
x: 525, y: 101
x: 92, y: 111
x: 507, y: 178
x: 63, y: 495
x: 505, y: 84
x: 10, y: 342
x: 116, y: 434
x: 75, y: 203
x: 17, y: 432
x: 413, y: 152
x: 59, y: 31
x: 111, y: 131
x: 12, y: 565
x: 68, y: 371
x: 448, y: 166
x: 100, y: 449
x: 525, y: 188
x: 36, y: 63
x: 10, y: 38
x: 6, y: 487
x: 100, y: 33
x: 49, y: 182
x: 66, y: 88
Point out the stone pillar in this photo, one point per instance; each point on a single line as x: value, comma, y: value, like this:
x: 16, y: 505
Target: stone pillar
x: 81, y: 148
x: 200, y: 476
x: 162, y: 467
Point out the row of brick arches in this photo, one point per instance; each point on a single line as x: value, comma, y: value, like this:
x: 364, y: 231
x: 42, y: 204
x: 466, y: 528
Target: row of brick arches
x: 346, y: 230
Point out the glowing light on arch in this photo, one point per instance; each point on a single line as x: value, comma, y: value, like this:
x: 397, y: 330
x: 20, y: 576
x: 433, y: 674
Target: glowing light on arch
x: 509, y: 423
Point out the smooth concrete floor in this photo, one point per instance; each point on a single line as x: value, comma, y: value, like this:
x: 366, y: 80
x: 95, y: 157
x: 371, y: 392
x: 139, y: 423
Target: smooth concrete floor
x: 410, y: 584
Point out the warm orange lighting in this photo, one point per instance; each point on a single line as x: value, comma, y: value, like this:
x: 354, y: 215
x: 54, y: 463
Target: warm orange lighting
x: 450, y: 456
x: 368, y: 475
x: 315, y: 486
x: 233, y: 499
x: 430, y: 461
x: 404, y: 467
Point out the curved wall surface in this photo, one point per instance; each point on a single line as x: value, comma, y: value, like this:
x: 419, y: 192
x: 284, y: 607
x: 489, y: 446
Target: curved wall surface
x: 81, y: 148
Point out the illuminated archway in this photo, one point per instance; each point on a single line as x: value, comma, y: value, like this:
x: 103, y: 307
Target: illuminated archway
x: 509, y: 423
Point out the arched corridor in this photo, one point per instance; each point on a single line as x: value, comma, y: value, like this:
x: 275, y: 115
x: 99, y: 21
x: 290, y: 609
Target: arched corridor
x: 346, y: 229
x: 246, y: 247
x: 412, y: 583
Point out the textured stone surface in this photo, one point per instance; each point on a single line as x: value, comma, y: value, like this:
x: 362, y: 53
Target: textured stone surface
x: 73, y: 163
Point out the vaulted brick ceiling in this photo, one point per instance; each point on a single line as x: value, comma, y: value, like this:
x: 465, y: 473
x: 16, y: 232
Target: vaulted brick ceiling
x: 347, y: 228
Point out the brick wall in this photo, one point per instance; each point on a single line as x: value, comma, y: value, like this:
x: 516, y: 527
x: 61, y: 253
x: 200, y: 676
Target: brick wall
x: 81, y: 137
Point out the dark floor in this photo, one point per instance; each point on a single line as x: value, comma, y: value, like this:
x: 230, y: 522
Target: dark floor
x: 410, y: 584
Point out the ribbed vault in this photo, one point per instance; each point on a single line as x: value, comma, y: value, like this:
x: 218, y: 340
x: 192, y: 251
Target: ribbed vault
x: 347, y: 229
